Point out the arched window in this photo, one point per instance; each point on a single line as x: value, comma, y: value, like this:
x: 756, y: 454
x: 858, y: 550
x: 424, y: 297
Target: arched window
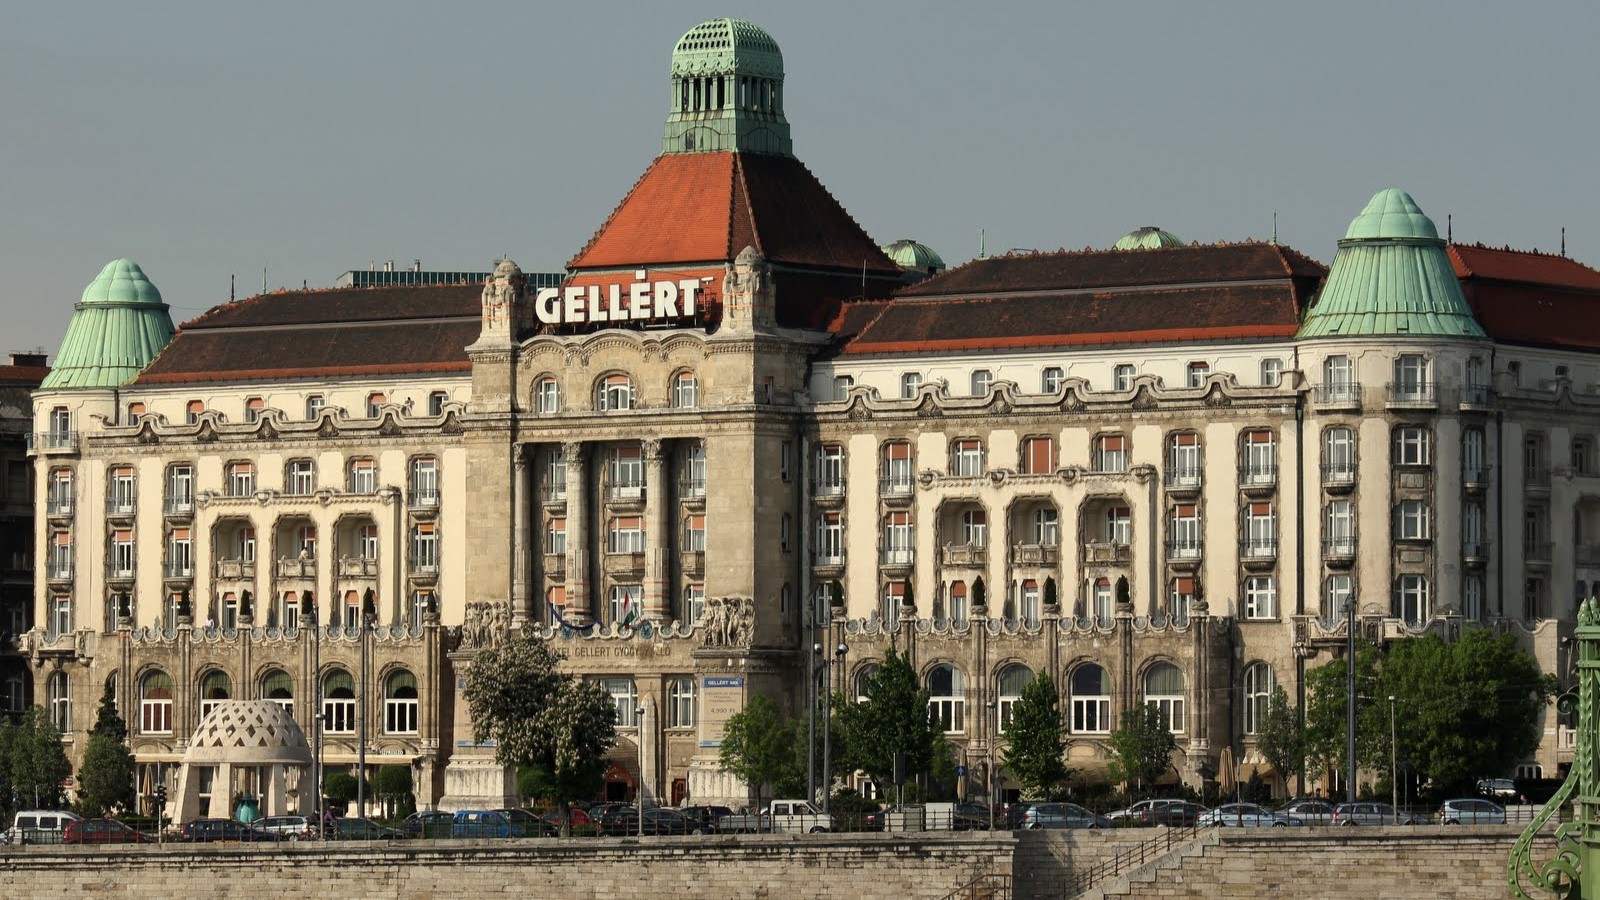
x: 193, y: 410
x: 863, y: 681
x: 278, y: 687
x: 400, y: 703
x: 625, y: 696
x: 1163, y: 689
x: 547, y: 396
x: 59, y: 694
x: 1012, y: 680
x: 947, y: 698
x: 375, y: 401
x: 685, y: 391
x: 215, y: 687
x: 958, y: 602
x: 614, y: 393
x: 1259, y: 683
x: 155, y: 703
x: 1091, y: 700
x: 339, y: 702
x: 680, y: 703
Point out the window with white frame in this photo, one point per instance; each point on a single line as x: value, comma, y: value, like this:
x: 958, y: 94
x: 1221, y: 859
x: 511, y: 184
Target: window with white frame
x: 1338, y: 454
x: 966, y: 457
x: 421, y: 599
x: 1271, y: 372
x: 339, y: 704
x: 192, y: 411
x: 1122, y: 377
x: 785, y: 461
x: 1534, y: 598
x: 252, y: 409
x: 694, y: 601
x: 122, y: 491
x: 841, y: 387
x: 1044, y: 527
x: 625, y: 602
x: 1183, y: 459
x: 155, y: 703
x: 1261, y: 597
x: 1337, y: 592
x: 60, y: 561
x: 424, y: 481
x: 1259, y: 684
x: 1050, y: 379
x: 694, y: 533
x: 1091, y: 700
x: 625, y: 471
x: 1411, y: 521
x: 1260, y: 529
x: 692, y: 459
x: 555, y: 536
x: 1412, y: 446
x: 685, y: 391
x: 1038, y: 455
x: 424, y: 548
x: 180, y: 553
x: 436, y: 401
x: 981, y: 379
x: 1181, y: 601
x: 305, y: 542
x: 1411, y: 599
x: 363, y: 476
x: 300, y: 478
x: 897, y: 466
x: 278, y: 687
x: 1028, y: 602
x: 974, y: 528
x: 1411, y: 377
x: 1472, y: 530
x: 625, y: 534
x: 1260, y: 456
x: 1472, y: 598
x: 1339, y: 528
x: 216, y: 688
x: 241, y: 479
x: 1184, y: 531
x: 121, y: 560
x: 547, y: 396
x: 1164, y: 689
x: 400, y: 703
x: 910, y: 384
x: 614, y: 393
x: 180, y: 488
x: 58, y: 493
x: 897, y: 538
x: 624, y: 696
x: 1101, y: 600
x: 60, y: 426
x: 1119, y: 525
x: 1110, y: 453
x: 1198, y: 372
x: 862, y: 682
x: 947, y: 698
x: 58, y: 693
x: 680, y: 703
x: 314, y: 404
x: 375, y: 402
x: 830, y: 539
x: 1009, y: 685
x: 828, y: 460
x: 959, y: 602
x: 894, y: 595
x: 1339, y: 377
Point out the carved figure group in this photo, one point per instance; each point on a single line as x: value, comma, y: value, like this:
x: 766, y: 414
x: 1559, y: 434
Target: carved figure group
x: 728, y: 622
x: 487, y: 624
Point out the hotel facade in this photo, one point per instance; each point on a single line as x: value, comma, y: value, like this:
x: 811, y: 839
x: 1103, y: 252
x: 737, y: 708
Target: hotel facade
x: 739, y: 440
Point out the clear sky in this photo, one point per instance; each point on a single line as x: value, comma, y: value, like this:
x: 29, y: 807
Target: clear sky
x: 211, y: 139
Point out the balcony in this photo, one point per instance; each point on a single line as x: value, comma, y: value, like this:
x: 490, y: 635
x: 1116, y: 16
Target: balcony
x: 692, y: 562
x: 1338, y: 479
x: 1339, y: 552
x: 1183, y: 480
x: 59, y: 570
x: 425, y: 569
x: 1536, y: 478
x: 178, y: 507
x: 422, y: 499
x: 58, y: 507
x: 121, y: 507
x: 1536, y: 553
x: 177, y: 570
x: 1412, y: 394
x: 1107, y: 552
x: 893, y: 489
x: 625, y: 495
x: 1184, y: 548
x: 53, y: 442
x: 1258, y: 552
x: 289, y: 567
x: 623, y: 563
x: 236, y: 570
x: 358, y: 567
x: 120, y: 569
x: 1258, y: 479
x: 1475, y: 554
x: 553, y: 493
x: 896, y: 560
x: 1475, y: 479
x: 692, y: 489
x: 1035, y: 554
x: 1476, y: 397
x: 827, y: 487
x: 1337, y: 395
x: 828, y: 564
x: 968, y: 554
x: 555, y: 565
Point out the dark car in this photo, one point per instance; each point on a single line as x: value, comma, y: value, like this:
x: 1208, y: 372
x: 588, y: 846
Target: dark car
x: 430, y: 824
x: 1062, y: 815
x: 973, y: 817
x: 703, y: 819
x: 483, y: 823
x: 353, y: 829
x: 531, y: 825
x: 101, y: 831
x: 580, y: 820
x: 206, y: 831
x: 1178, y: 813
x: 625, y: 821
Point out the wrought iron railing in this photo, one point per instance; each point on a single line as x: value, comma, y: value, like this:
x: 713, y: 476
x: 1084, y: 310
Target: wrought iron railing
x: 1084, y: 880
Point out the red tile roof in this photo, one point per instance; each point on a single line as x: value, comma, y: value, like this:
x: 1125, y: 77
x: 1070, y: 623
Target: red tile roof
x: 706, y: 207
x: 29, y: 375
x: 1530, y: 298
x: 1531, y: 267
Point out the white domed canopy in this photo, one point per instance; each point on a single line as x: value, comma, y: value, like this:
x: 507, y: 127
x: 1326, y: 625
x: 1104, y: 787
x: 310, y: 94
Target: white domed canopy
x: 249, y: 733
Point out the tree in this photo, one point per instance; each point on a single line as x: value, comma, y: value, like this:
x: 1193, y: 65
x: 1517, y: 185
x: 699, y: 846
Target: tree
x: 1142, y: 748
x: 1035, y: 747
x: 894, y: 718
x: 392, y: 785
x: 1326, y: 693
x: 542, y: 719
x: 8, y: 735
x: 765, y: 749
x: 38, y: 764
x: 1278, y: 736
x: 105, y: 781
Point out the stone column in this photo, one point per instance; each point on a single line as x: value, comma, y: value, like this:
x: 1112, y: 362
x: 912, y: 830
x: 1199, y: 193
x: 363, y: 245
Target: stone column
x: 657, y: 525
x: 579, y: 611
x: 520, y: 549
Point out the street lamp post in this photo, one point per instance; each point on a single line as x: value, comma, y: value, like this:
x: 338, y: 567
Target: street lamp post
x: 1394, y: 766
x: 1350, y: 707
x: 316, y: 709
x: 638, y: 793
x: 827, y: 727
x: 369, y: 612
x: 988, y: 768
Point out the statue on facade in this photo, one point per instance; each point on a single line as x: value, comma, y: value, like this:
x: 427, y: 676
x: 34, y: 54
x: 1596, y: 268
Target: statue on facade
x: 487, y: 625
x: 502, y: 298
x: 728, y: 622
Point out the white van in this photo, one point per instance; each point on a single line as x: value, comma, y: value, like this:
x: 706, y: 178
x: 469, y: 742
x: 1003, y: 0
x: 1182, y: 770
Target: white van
x: 39, y: 826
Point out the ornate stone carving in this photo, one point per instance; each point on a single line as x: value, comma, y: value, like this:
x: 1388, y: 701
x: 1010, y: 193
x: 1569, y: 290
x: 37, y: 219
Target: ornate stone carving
x: 487, y: 625
x: 1142, y: 399
x: 728, y: 622
x: 1216, y: 399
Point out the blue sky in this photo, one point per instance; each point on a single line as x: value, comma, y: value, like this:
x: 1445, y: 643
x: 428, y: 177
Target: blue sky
x: 212, y: 139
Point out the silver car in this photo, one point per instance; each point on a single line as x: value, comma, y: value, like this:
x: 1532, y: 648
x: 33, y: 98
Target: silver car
x: 1471, y: 812
x: 1062, y: 815
x: 1244, y: 815
x: 1374, y: 814
x: 1310, y: 812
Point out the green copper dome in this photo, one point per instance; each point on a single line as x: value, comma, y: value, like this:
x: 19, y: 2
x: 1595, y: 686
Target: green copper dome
x: 913, y: 255
x: 1391, y: 277
x: 727, y: 47
x: 727, y: 91
x: 118, y: 326
x: 1148, y: 238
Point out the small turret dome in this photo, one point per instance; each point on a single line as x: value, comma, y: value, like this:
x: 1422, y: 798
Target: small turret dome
x: 912, y: 255
x: 507, y: 269
x: 727, y: 46
x: 1391, y: 213
x: 1148, y: 238
x: 117, y: 327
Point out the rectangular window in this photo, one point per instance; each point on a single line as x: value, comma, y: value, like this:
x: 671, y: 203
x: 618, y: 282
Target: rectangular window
x: 436, y: 400
x: 1111, y: 453
x: 1181, y: 600
x: 894, y: 594
x: 180, y: 489
x: 694, y: 601
x: 1411, y: 599
x: 1185, y: 534
x: 363, y: 476
x: 966, y: 458
x: 680, y: 703
x: 1411, y: 521
x: 625, y: 472
x: 1411, y: 378
x: 58, y: 498
x: 1260, y: 463
x: 841, y: 387
x: 1038, y: 456
x: 1198, y: 372
x: 1122, y: 377
x: 302, y: 477
x: 555, y: 473
x: 424, y: 481
x: 625, y: 602
x: 1045, y: 527
x: 1271, y: 372
x: 625, y: 534
x: 241, y: 479
x: 247, y: 544
x: 897, y: 538
x: 897, y: 465
x: 314, y: 404
x: 829, y: 476
x: 910, y: 384
x: 1183, y: 464
x: 981, y: 379
x: 694, y: 534
x: 1260, y: 530
x: 625, y: 697
x: 1028, y: 602
x: 1412, y: 446
x: 424, y: 548
x: 123, y: 496
x: 1261, y: 597
x: 374, y: 403
x: 830, y: 539
x: 785, y: 461
x: 555, y: 536
x: 547, y: 397
x: 1050, y: 379
x: 121, y: 561
x: 180, y: 554
x: 60, y: 562
x: 1119, y: 525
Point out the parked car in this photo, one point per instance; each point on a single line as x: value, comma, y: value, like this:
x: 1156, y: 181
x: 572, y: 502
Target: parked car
x: 1062, y: 815
x: 1160, y: 811
x: 39, y: 826
x: 1374, y: 814
x: 782, y: 816
x: 483, y: 823
x: 531, y: 825
x: 973, y: 817
x: 1244, y: 815
x: 207, y: 831
x: 354, y: 829
x: 290, y: 828
x: 1471, y: 811
x: 581, y: 821
x: 428, y: 824
x: 1310, y: 812
x: 703, y: 819
x: 1502, y: 789
x: 101, y: 831
x: 659, y: 820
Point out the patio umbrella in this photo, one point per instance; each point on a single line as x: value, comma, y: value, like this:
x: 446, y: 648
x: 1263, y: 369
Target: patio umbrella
x: 1227, y: 779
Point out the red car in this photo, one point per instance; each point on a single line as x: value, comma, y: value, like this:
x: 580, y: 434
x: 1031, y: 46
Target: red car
x: 101, y: 831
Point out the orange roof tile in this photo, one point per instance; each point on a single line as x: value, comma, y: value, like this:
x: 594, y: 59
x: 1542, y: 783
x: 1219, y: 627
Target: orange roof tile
x: 1530, y: 266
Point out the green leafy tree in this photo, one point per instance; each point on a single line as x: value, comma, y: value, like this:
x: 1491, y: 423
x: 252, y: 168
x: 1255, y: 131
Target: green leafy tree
x: 542, y: 718
x: 339, y: 788
x: 893, y: 719
x: 1326, y: 693
x: 1278, y: 736
x: 392, y: 785
x: 105, y: 781
x: 765, y: 749
x: 1141, y: 750
x: 1034, y: 744
x: 8, y: 735
x: 38, y: 764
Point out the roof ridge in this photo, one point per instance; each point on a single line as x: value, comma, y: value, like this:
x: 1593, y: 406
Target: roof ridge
x: 571, y: 263
x: 742, y: 185
x: 848, y: 215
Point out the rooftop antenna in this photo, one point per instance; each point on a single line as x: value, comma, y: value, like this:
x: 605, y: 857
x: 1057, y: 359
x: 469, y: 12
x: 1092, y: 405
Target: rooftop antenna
x: 231, y: 296
x: 1449, y: 228
x: 863, y: 278
x: 1563, y: 241
x: 263, y: 279
x: 1274, y: 226
x: 982, y: 243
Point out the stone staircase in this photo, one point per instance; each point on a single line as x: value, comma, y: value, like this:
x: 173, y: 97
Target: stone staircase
x: 1138, y: 882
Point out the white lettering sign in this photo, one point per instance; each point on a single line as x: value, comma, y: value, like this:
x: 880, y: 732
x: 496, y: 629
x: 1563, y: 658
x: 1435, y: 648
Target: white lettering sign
x: 642, y: 301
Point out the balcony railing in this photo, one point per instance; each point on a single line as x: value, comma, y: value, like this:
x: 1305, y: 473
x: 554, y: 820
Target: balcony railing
x: 53, y: 440
x: 1476, y: 395
x: 1258, y: 475
x: 896, y: 557
x: 120, y: 569
x: 1475, y: 476
x: 1107, y: 552
x: 555, y: 565
x: 553, y: 492
x: 827, y: 487
x: 622, y: 563
x: 179, y: 506
x: 181, y: 569
x: 1536, y: 476
x: 290, y: 567
x: 1480, y: 550
x: 58, y: 506
x: 358, y: 566
x: 1035, y: 554
x: 59, y: 569
x: 827, y: 558
x: 692, y: 561
x: 425, y: 566
x: 1337, y: 393
x: 1339, y: 548
x: 1258, y: 548
x: 1184, y: 548
x: 1412, y: 392
x: 1536, y: 551
x: 625, y: 491
x: 236, y: 569
x: 1183, y: 477
x: 968, y: 554
x: 426, y: 498
x: 895, y: 487
x: 121, y: 506
x: 691, y: 487
x: 1338, y: 475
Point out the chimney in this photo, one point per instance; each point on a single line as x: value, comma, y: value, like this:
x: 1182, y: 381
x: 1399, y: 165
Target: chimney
x: 35, y: 360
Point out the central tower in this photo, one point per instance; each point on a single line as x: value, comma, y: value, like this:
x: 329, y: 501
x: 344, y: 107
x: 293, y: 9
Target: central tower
x: 727, y: 91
